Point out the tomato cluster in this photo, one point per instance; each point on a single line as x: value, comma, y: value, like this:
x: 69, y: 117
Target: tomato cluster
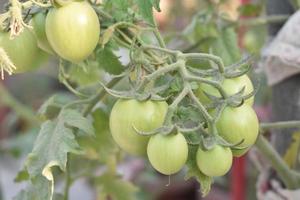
x: 168, y: 153
x: 238, y: 126
x: 71, y: 31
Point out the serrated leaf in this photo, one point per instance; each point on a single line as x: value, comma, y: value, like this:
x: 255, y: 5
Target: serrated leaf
x: 109, y: 185
x: 54, y: 142
x: 193, y: 171
x: 226, y: 46
x: 145, y: 10
x: 38, y: 189
x: 291, y: 154
x: 109, y: 61
x: 53, y: 105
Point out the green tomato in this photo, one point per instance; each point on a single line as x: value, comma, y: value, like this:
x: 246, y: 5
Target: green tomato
x: 22, y: 50
x: 231, y: 87
x: 38, y: 22
x: 143, y: 115
x: 237, y: 124
x: 254, y: 40
x: 167, y: 153
x: 214, y: 162
x: 73, y: 30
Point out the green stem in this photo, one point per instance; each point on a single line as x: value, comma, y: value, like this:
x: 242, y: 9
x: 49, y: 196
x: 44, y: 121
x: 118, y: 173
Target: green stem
x: 68, y: 180
x: 290, y: 178
x: 280, y: 125
x: 164, y: 50
x: 207, y: 56
x: 20, y: 109
x: 263, y: 20
x: 159, y: 38
x: 100, y: 95
x: 173, y: 106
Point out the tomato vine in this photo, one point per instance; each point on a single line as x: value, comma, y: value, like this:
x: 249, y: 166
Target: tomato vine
x: 155, y: 73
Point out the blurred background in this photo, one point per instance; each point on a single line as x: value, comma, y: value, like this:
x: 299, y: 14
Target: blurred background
x: 32, y: 89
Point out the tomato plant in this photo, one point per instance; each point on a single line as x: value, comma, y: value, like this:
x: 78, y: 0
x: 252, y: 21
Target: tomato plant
x: 167, y: 154
x: 187, y: 106
x: 214, y: 162
x: 73, y: 30
x: 128, y: 115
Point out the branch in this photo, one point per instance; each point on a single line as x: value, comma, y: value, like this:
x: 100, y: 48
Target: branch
x: 24, y: 112
x: 100, y: 95
x: 280, y: 125
x: 290, y: 178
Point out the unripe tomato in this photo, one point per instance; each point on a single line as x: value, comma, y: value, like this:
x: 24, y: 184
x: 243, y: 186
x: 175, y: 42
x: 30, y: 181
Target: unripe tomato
x: 237, y: 124
x: 38, y: 23
x: 214, y: 162
x: 231, y: 87
x: 253, y: 40
x: 73, y: 30
x: 22, y: 50
x: 143, y: 115
x: 167, y: 153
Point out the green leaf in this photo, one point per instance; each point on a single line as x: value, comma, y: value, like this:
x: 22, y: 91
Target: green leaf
x: 250, y: 9
x: 51, y: 108
x: 117, y: 189
x: 103, y: 146
x: 145, y: 10
x: 85, y: 73
x: 108, y: 33
x: 21, y: 144
x: 226, y: 46
x: 38, y: 189
x: 22, y: 176
x: 55, y: 141
x: 109, y: 61
x: 193, y: 171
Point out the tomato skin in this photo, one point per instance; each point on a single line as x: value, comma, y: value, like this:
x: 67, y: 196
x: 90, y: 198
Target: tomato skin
x: 214, y: 162
x: 231, y: 87
x: 38, y: 22
x: 22, y: 50
x: 143, y: 115
x: 73, y: 30
x: 167, y: 153
x: 237, y: 124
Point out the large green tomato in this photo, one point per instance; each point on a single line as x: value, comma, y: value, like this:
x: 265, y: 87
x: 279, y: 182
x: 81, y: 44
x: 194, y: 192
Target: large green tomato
x: 22, y: 50
x: 237, y: 124
x: 38, y: 23
x: 231, y: 87
x: 167, y: 153
x: 143, y: 115
x: 214, y: 162
x: 73, y: 30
